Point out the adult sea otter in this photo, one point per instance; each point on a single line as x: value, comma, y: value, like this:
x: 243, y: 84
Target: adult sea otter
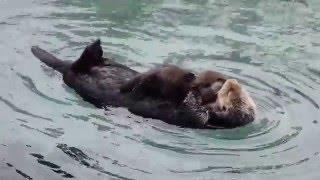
x: 98, y: 80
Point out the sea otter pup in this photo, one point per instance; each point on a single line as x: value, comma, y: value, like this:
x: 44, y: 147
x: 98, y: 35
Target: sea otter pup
x: 168, y: 83
x: 233, y: 106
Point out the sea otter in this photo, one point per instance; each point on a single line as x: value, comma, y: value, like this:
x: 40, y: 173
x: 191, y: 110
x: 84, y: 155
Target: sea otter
x: 98, y: 80
x: 168, y: 82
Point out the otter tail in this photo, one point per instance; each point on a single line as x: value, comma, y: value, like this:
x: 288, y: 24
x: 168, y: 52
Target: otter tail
x: 50, y: 60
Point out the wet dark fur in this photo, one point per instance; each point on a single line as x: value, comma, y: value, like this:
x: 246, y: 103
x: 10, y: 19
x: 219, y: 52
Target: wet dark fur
x: 209, y: 94
x: 167, y: 83
x: 208, y: 83
x: 98, y: 80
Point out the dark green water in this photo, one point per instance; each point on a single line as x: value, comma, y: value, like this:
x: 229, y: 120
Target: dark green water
x: 272, y: 46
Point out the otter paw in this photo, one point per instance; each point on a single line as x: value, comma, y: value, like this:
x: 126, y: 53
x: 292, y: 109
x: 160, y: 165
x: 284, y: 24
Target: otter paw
x: 193, y: 103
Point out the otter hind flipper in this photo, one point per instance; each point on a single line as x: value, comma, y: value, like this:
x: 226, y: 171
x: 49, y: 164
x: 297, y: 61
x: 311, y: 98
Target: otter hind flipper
x: 50, y: 60
x: 94, y: 50
x: 91, y: 56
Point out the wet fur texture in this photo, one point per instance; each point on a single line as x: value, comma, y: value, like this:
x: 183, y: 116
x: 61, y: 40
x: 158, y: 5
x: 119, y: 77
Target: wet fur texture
x: 208, y: 83
x: 167, y: 83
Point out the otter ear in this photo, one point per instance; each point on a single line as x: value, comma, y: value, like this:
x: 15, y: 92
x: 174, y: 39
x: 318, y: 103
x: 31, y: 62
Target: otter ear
x: 189, y: 77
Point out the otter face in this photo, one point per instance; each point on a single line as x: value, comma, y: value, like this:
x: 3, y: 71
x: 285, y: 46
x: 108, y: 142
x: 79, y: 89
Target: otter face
x: 233, y: 103
x: 229, y: 94
x: 233, y: 97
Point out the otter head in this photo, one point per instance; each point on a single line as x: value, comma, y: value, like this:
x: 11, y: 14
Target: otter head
x: 233, y: 106
x: 229, y: 95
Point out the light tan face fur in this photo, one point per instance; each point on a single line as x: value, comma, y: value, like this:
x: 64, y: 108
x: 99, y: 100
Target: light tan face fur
x: 230, y: 95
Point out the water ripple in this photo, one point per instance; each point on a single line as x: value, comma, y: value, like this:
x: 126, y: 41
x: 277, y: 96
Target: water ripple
x: 19, y: 110
x: 31, y: 86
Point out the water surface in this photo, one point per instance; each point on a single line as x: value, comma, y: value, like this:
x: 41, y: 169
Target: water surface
x: 273, y: 47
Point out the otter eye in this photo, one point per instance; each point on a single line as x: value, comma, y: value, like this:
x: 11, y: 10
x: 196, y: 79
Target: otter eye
x: 207, y: 85
x: 224, y: 108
